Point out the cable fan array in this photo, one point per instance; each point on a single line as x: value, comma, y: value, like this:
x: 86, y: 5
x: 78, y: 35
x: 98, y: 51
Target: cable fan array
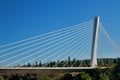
x: 74, y: 42
x: 107, y: 49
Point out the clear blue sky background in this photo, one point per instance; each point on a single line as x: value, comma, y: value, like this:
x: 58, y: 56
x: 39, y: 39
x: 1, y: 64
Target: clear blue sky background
x: 20, y: 19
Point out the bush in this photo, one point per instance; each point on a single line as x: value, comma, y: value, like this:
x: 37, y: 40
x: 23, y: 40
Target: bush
x: 67, y: 77
x: 1, y: 78
x: 82, y: 76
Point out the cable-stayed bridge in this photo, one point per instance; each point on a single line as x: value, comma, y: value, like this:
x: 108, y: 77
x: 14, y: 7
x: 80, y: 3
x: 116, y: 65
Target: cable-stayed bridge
x: 61, y: 50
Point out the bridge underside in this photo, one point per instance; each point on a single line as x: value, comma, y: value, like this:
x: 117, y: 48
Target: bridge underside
x: 39, y: 70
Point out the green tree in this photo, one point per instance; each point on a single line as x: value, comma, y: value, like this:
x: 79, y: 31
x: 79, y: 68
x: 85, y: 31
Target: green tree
x: 28, y: 65
x: 61, y: 64
x: 36, y: 64
x: 40, y: 64
x: 100, y: 74
x: 85, y: 77
x: 1, y: 78
x: 69, y: 61
x: 82, y: 76
x: 67, y: 77
x: 116, y: 70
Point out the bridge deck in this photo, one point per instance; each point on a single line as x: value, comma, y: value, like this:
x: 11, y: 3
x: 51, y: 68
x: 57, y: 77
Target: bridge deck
x: 39, y: 70
x: 46, y: 68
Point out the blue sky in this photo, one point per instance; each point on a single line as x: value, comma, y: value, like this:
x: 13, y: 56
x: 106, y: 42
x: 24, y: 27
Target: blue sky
x: 20, y: 19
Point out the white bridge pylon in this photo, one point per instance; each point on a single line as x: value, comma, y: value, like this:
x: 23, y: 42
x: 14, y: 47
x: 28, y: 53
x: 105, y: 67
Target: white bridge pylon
x: 95, y: 42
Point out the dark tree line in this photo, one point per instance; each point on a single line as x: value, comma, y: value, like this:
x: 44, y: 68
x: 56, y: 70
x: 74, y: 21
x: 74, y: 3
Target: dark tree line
x: 61, y: 63
x: 108, y: 62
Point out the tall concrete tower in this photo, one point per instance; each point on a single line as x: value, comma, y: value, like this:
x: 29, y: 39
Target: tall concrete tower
x: 93, y: 62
